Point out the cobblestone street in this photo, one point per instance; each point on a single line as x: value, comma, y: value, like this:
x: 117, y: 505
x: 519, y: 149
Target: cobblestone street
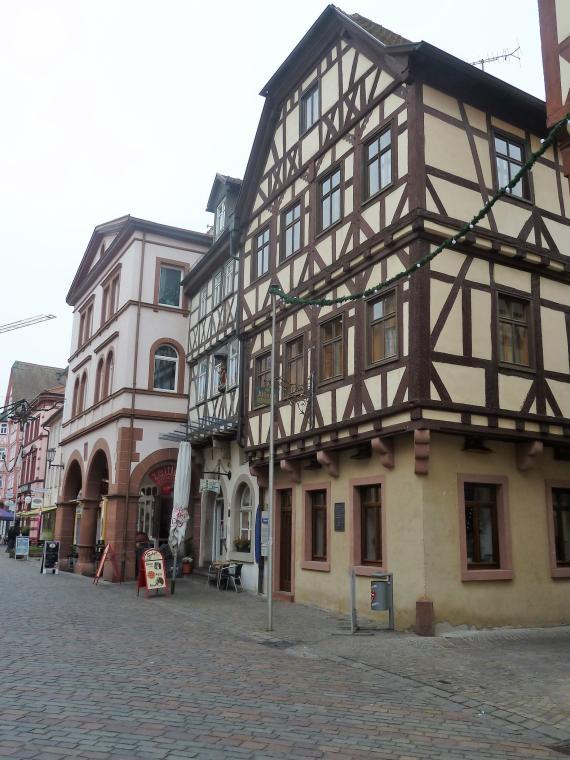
x: 197, y: 676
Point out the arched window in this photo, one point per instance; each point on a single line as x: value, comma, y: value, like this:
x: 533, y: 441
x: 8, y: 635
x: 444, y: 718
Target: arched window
x: 99, y: 381
x: 82, y: 393
x: 243, y: 540
x: 75, y: 401
x: 165, y: 368
x: 109, y: 369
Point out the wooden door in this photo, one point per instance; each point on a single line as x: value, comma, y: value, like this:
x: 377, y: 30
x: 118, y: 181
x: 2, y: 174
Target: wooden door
x: 285, y: 540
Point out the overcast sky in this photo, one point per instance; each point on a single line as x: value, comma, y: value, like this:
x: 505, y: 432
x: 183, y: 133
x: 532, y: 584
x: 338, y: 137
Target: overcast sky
x: 111, y: 107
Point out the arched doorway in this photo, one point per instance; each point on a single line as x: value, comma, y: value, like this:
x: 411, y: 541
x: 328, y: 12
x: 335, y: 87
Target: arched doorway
x: 66, y: 527
x: 155, y: 503
x: 93, y: 512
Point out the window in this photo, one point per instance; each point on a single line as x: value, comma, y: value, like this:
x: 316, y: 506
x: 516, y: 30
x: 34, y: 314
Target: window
x: 291, y: 230
x: 169, y: 292
x: 228, y: 277
x: 110, y: 298
x: 2, y: 454
x: 509, y: 156
x: 382, y: 329
x: 203, y: 302
x: 99, y: 381
x: 561, y: 518
x: 331, y: 339
x: 233, y: 354
x: 201, y: 380
x: 217, y: 289
x: 378, y: 163
x: 243, y: 540
x: 370, y: 525
x: 262, y: 380
x: 85, y: 325
x: 75, y: 401
x: 309, y: 108
x: 82, y: 393
x: 165, y: 367
x: 330, y: 199
x: 513, y: 331
x: 4, y: 428
x: 262, y: 253
x: 109, y: 370
x: 294, y: 366
x: 318, y: 500
x: 215, y: 376
x: 220, y: 219
x: 481, y: 528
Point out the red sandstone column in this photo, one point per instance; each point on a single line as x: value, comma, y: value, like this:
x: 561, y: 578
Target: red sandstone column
x: 64, y: 525
x: 121, y: 514
x: 87, y: 536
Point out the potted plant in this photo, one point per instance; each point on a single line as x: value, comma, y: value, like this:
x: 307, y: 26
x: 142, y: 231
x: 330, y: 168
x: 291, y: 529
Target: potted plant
x: 242, y: 544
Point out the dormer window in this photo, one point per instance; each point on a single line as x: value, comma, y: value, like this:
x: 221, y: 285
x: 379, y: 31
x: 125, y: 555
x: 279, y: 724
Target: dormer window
x: 220, y: 220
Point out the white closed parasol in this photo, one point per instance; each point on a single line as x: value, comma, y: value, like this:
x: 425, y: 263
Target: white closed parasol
x: 180, y: 500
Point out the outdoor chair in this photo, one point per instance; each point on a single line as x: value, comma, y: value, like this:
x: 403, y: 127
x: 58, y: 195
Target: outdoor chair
x: 212, y: 578
x: 234, y: 577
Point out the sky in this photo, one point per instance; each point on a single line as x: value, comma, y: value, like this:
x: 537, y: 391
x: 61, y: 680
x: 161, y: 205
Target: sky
x: 113, y: 107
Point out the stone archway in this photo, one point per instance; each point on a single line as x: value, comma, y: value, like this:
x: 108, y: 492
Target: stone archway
x: 96, y: 487
x: 71, y: 492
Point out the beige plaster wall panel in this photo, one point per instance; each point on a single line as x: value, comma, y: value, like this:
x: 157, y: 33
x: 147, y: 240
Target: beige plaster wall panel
x: 391, y: 201
x: 442, y: 102
x: 448, y: 262
x: 450, y: 340
x: 554, y: 291
x: 309, y: 144
x: 555, y: 341
x: 546, y: 188
x: 325, y: 405
x: 512, y: 278
x: 439, y: 292
x: 560, y: 234
x: 482, y: 146
x: 465, y: 385
x: 479, y: 271
x: 481, y: 324
x: 513, y: 391
x: 561, y: 391
x: 459, y: 202
x: 447, y: 148
x: 506, y: 127
x: 403, y: 154
x: 329, y: 88
x: 393, y: 379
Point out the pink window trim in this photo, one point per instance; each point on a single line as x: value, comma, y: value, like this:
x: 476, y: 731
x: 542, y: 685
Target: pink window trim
x: 555, y: 571
x: 505, y: 572
x: 354, y: 525
x: 307, y: 563
x: 277, y: 540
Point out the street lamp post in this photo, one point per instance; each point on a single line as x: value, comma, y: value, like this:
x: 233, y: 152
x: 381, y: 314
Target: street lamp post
x: 271, y: 468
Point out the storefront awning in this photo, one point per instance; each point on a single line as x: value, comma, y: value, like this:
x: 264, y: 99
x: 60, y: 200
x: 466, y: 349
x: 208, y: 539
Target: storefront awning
x: 30, y: 513
x: 48, y: 509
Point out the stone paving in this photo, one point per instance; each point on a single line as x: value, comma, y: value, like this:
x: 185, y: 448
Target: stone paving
x: 95, y: 672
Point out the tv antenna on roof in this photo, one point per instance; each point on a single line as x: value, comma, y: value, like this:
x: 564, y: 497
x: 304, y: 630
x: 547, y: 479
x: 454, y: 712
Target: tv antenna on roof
x: 505, y: 56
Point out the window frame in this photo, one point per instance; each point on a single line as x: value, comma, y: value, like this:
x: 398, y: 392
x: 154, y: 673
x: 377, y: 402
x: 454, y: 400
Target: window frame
x: 203, y: 301
x: 233, y: 358
x: 256, y: 251
x: 500, y: 293
x: 520, y: 142
x: 283, y: 255
x: 110, y: 295
x: 217, y: 288
x: 288, y: 361
x: 557, y: 570
x: 325, y: 321
x: 164, y: 265
x: 369, y: 304
x: 504, y: 571
x: 198, y: 379
x: 306, y: 97
x: 220, y: 214
x: 308, y: 562
x: 258, y: 358
x: 355, y: 536
x: 229, y: 267
x: 3, y: 428
x: 366, y: 162
x: 176, y: 362
x: 320, y: 182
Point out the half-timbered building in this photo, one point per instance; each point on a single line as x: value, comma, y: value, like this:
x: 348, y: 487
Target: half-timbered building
x: 422, y: 430
x: 223, y: 512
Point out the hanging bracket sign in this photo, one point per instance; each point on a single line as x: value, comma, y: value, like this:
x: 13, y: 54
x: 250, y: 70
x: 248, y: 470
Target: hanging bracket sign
x: 209, y: 486
x: 152, y: 573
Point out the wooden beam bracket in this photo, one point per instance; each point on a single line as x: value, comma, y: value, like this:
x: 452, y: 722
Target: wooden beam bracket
x: 330, y: 461
x: 292, y: 468
x: 527, y: 453
x: 421, y: 451
x: 385, y: 448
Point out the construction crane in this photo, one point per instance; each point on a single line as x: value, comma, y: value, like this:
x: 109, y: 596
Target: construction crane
x: 25, y: 322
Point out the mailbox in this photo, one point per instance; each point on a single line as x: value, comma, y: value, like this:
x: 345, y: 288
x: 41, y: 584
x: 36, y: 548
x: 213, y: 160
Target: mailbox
x: 381, y: 592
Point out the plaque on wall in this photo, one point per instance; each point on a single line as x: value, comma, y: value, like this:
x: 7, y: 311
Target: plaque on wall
x: 339, y: 516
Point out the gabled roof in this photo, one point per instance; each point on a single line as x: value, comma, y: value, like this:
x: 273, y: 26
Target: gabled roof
x: 418, y: 60
x: 221, y: 180
x: 29, y: 380
x: 122, y: 228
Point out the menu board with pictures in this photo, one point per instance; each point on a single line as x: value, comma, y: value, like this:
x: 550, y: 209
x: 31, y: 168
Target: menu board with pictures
x: 152, y: 573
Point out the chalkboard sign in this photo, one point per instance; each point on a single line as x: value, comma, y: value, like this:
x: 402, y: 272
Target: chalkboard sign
x: 50, y: 558
x: 339, y: 516
x: 22, y: 548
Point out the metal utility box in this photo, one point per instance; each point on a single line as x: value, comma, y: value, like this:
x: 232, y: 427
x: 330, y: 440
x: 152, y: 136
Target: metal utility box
x: 382, y: 595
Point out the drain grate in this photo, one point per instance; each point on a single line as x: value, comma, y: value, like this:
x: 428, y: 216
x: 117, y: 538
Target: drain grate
x: 562, y: 747
x: 278, y: 643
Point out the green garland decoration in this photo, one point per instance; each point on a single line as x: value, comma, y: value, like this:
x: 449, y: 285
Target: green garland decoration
x: 449, y: 243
